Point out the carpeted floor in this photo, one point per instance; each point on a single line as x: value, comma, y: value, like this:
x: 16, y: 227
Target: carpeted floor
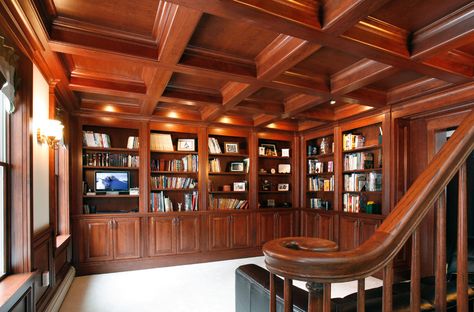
x: 206, y: 287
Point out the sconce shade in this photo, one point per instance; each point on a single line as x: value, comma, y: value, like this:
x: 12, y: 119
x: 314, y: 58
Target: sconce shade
x: 51, y: 132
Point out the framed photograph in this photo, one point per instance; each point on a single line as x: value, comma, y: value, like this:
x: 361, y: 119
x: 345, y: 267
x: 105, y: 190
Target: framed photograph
x: 285, y: 152
x: 283, y: 187
x: 270, y: 149
x: 284, y: 168
x: 261, y: 151
x: 237, y: 166
x: 270, y: 203
x: 231, y: 147
x: 239, y: 186
x: 186, y: 145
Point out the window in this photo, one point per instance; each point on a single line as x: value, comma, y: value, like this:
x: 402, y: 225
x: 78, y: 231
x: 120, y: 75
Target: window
x: 4, y: 185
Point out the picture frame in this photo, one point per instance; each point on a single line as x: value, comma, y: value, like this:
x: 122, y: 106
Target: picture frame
x: 239, y: 186
x: 231, y: 147
x: 261, y: 151
x: 186, y: 145
x: 270, y: 203
x: 283, y: 187
x: 237, y: 166
x: 284, y: 168
x: 285, y: 152
x: 270, y: 149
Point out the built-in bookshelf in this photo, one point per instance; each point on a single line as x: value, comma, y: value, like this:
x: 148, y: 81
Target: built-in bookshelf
x: 319, y: 172
x: 174, y: 167
x: 362, y: 169
x: 110, y: 170
x: 275, y: 172
x: 228, y: 171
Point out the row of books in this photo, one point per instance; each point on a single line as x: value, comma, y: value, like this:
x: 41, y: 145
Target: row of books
x: 161, y: 203
x: 358, y: 161
x: 188, y: 163
x: 164, y: 182
x: 363, y: 182
x: 132, y: 142
x: 316, y: 166
x: 110, y: 160
x: 161, y: 142
x: 351, y: 202
x: 351, y: 141
x: 319, y: 203
x: 94, y: 139
x: 227, y: 203
x: 214, y: 165
x: 321, y: 184
x: 214, y: 147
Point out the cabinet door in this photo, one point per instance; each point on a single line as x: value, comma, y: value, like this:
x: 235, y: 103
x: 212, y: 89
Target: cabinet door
x: 348, y: 232
x: 325, y: 226
x: 188, y: 234
x: 308, y: 223
x: 219, y: 232
x: 98, y: 240
x: 286, y: 224
x: 240, y: 230
x: 266, y: 226
x: 126, y: 238
x: 162, y: 236
x: 367, y: 227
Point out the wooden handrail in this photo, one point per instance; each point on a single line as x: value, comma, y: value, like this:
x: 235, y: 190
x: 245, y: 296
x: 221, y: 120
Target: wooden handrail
x: 380, y: 249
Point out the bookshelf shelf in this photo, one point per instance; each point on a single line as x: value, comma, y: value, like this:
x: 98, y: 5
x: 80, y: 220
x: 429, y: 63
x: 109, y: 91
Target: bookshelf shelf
x: 228, y: 173
x: 228, y: 155
x: 363, y: 149
x: 362, y: 170
x: 274, y: 192
x: 328, y: 155
x: 110, y: 196
x: 364, y: 192
x: 174, y: 152
x: 274, y: 157
x: 325, y: 174
x: 275, y: 174
x: 110, y: 149
x: 173, y: 189
x: 110, y: 168
x: 228, y: 192
x: 320, y: 192
x: 174, y: 172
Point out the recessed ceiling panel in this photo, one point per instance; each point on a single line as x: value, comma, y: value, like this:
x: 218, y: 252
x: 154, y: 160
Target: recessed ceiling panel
x: 395, y: 80
x: 205, y: 84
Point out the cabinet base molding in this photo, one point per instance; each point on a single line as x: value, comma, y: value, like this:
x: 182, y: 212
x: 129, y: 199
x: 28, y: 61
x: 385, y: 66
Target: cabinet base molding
x: 164, y: 261
x: 61, y: 292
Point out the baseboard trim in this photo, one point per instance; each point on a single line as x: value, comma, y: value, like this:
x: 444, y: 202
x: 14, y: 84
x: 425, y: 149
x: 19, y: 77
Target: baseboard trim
x: 60, y: 294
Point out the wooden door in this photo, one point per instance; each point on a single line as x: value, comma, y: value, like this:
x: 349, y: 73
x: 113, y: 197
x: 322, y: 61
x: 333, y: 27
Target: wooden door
x: 266, y: 227
x: 98, y: 240
x: 240, y: 230
x: 325, y: 226
x: 285, y: 224
x: 348, y: 232
x: 162, y: 236
x: 219, y: 232
x: 367, y: 227
x: 188, y: 228
x: 308, y: 223
x: 126, y: 238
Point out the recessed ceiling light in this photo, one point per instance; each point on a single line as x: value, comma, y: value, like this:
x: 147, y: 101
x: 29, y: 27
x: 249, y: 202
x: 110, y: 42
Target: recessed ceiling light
x: 332, y: 102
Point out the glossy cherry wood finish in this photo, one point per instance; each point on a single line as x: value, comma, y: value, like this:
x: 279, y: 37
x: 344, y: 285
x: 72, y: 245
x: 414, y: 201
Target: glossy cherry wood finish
x: 98, y: 240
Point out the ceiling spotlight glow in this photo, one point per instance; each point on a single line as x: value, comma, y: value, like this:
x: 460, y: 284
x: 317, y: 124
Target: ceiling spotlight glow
x: 332, y: 102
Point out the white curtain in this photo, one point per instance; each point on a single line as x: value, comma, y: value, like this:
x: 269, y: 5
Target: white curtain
x: 8, y: 59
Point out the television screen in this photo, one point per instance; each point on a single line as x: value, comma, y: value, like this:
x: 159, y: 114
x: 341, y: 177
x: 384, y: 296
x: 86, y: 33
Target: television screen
x: 112, y: 181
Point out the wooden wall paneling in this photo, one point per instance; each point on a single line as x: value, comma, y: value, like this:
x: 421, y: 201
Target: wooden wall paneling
x: 43, y: 262
x: 144, y: 166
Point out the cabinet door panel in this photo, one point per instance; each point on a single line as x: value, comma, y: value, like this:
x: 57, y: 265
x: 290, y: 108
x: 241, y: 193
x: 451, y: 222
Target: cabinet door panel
x: 162, y: 236
x: 367, y: 228
x: 240, y: 224
x: 98, y: 240
x: 348, y: 233
x: 325, y: 228
x: 308, y: 224
x: 219, y: 228
x: 266, y: 227
x: 126, y: 238
x: 286, y: 224
x: 188, y: 234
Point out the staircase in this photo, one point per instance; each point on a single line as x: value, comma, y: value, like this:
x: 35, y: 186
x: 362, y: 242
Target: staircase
x: 319, y: 263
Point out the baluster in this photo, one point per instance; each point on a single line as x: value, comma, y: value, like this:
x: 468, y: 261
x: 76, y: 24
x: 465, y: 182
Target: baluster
x: 462, y: 302
x: 326, y: 297
x: 315, y: 296
x: 387, y: 287
x: 287, y: 295
x: 440, y: 293
x: 415, y: 271
x: 272, y: 293
x: 361, y: 295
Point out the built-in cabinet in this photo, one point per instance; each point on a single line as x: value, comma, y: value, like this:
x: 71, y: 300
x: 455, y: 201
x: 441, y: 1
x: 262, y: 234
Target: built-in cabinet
x: 275, y: 224
x: 230, y: 230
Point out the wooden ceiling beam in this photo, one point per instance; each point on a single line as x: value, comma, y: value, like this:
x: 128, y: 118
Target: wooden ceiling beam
x: 359, y: 75
x: 350, y: 110
x: 309, y: 124
x: 385, y: 44
x: 301, y: 102
x: 366, y: 96
x: 454, y: 61
x: 257, y: 106
x: 445, y: 34
x: 318, y: 114
x: 123, y: 87
x: 178, y: 26
x: 339, y: 16
x: 263, y: 120
x: 416, y: 88
x: 189, y: 97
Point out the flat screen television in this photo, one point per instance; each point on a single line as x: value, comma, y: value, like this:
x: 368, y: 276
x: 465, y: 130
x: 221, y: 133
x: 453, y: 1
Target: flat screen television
x: 112, y: 181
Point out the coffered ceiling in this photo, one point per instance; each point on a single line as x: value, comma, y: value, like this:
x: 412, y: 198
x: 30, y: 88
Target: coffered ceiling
x: 252, y: 62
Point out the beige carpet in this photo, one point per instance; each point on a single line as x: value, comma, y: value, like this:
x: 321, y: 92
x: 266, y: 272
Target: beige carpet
x: 207, y: 287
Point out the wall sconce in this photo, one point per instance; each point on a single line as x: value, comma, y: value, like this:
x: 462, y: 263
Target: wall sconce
x: 51, y: 132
